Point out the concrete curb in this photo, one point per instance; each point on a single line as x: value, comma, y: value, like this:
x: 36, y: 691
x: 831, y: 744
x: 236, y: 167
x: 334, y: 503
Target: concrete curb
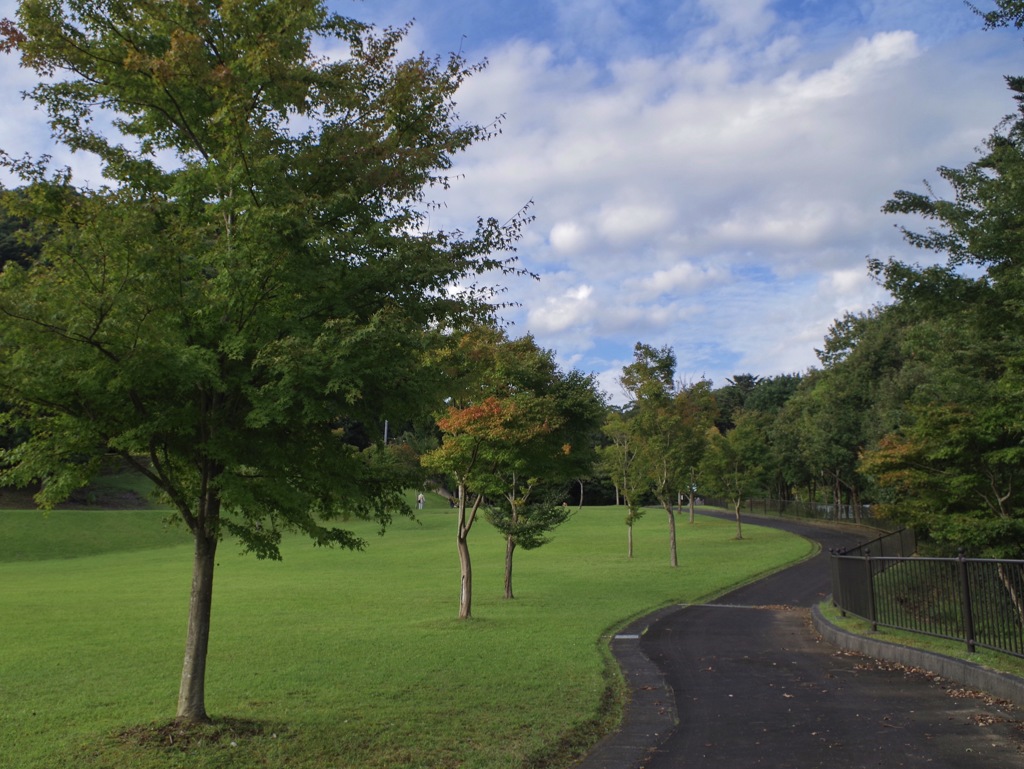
x: 649, y: 716
x: 1001, y: 685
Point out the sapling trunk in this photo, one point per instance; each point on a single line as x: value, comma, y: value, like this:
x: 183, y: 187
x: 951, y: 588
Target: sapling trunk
x: 510, y: 547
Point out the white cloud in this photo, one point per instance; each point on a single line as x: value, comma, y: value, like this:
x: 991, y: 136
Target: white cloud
x: 845, y: 282
x: 798, y: 223
x: 575, y: 307
x: 721, y: 194
x: 568, y: 238
x: 869, y: 58
x: 681, y: 278
x: 744, y: 20
x: 625, y: 223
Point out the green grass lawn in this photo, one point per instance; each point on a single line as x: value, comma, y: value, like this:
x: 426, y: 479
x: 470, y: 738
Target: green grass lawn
x: 344, y: 659
x: 29, y: 535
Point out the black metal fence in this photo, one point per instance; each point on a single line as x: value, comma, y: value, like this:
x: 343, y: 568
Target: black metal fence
x: 977, y: 601
x: 899, y: 544
x: 787, y: 508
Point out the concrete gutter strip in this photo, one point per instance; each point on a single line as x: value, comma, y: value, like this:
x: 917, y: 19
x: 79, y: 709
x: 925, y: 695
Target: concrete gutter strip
x: 649, y: 716
x: 1001, y: 685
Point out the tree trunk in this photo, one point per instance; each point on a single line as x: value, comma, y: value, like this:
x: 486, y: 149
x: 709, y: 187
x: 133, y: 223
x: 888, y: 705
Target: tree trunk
x: 510, y: 543
x: 510, y: 547
x: 1011, y: 585
x: 673, y: 558
x: 466, y: 590
x: 466, y: 567
x: 192, y: 693
x: 629, y: 539
x: 739, y: 522
x: 693, y: 492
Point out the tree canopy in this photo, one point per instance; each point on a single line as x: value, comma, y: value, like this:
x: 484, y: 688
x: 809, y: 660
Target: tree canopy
x: 255, y: 290
x: 517, y: 429
x: 953, y: 465
x: 665, y: 424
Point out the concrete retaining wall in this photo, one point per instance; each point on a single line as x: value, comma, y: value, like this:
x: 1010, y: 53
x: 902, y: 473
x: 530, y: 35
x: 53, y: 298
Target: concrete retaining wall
x: 969, y: 674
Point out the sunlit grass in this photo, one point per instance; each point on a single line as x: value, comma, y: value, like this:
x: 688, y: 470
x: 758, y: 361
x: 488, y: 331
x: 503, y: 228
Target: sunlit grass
x: 344, y: 659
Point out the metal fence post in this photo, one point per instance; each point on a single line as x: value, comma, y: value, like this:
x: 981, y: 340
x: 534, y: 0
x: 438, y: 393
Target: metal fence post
x: 838, y: 599
x: 968, y: 610
x: 871, y: 591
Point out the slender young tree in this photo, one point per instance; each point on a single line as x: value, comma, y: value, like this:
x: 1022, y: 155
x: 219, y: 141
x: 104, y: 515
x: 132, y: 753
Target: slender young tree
x: 556, y: 448
x: 649, y: 380
x: 733, y: 465
x: 669, y: 423
x: 469, y: 433
x: 256, y: 290
x: 620, y: 460
x: 519, y: 424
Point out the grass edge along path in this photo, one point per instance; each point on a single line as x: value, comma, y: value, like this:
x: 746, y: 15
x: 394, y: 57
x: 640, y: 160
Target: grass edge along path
x: 337, y: 659
x: 986, y: 658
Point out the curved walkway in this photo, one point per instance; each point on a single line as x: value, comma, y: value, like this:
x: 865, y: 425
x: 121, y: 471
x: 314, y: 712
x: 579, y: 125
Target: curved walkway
x: 746, y: 681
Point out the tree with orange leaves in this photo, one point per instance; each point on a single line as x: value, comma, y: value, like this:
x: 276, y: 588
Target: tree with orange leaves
x: 519, y: 430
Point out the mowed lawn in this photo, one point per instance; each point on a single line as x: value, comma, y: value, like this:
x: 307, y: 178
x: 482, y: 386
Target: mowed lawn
x: 342, y: 659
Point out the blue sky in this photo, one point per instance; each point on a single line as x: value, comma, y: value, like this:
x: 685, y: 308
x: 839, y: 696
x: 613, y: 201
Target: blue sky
x: 705, y: 174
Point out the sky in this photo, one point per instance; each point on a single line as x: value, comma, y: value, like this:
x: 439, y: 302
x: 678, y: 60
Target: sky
x: 704, y: 174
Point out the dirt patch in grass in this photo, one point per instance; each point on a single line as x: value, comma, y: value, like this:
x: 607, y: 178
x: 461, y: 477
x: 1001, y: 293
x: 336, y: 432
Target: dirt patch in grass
x: 184, y: 736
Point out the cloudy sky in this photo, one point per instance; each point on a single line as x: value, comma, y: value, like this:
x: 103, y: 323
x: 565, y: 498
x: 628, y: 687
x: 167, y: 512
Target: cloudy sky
x: 705, y: 174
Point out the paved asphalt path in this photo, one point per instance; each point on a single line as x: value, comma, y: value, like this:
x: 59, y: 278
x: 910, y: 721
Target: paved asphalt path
x: 755, y: 686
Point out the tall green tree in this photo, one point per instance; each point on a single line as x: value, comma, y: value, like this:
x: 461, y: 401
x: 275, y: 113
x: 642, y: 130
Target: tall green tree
x: 1008, y: 13
x: 692, y: 411
x: 954, y: 463
x: 475, y: 438
x: 472, y: 419
x: 733, y: 397
x: 734, y: 463
x: 844, y: 407
x: 17, y: 242
x: 621, y: 460
x: 650, y: 381
x: 769, y: 397
x: 256, y: 290
x: 669, y: 423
